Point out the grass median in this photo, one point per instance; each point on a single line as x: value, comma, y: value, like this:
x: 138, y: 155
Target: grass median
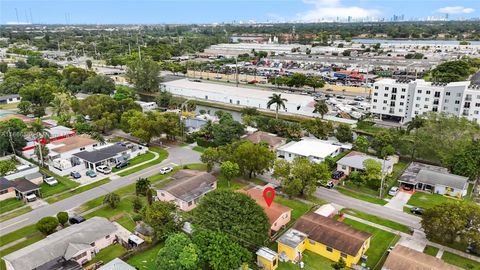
x: 361, y: 196
x: 377, y: 220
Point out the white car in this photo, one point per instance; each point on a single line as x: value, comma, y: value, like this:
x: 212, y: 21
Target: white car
x: 31, y: 197
x: 165, y: 170
x: 393, y: 191
x: 50, y: 181
x: 104, y: 169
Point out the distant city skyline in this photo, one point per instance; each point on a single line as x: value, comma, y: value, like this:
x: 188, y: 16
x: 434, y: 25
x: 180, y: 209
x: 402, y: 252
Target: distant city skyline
x: 228, y: 11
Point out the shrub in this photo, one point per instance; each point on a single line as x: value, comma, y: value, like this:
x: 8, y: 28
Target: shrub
x: 62, y: 217
x: 47, y: 225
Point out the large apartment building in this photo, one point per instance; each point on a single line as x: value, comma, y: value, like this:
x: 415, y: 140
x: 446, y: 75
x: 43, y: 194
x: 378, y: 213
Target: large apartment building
x: 402, y: 100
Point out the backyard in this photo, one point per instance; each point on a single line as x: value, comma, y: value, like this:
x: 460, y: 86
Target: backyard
x: 145, y: 260
x: 379, y: 243
x: 109, y: 253
x: 312, y: 262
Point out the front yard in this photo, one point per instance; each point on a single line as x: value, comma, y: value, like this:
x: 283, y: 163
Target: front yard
x: 361, y: 196
x: 378, y: 220
x: 430, y: 250
x: 163, y: 154
x: 428, y: 200
x: 136, y: 160
x: 10, y: 204
x: 76, y: 191
x: 63, y: 184
x: 379, y: 243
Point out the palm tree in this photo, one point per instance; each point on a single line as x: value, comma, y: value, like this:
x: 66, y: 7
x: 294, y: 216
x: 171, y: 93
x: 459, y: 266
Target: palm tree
x: 41, y: 134
x: 321, y: 108
x: 60, y: 105
x: 415, y: 123
x: 278, y: 101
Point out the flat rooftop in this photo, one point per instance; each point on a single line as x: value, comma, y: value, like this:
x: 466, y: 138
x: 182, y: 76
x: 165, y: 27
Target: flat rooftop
x: 310, y: 147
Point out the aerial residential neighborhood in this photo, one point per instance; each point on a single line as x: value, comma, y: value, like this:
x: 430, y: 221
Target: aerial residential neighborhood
x: 239, y: 135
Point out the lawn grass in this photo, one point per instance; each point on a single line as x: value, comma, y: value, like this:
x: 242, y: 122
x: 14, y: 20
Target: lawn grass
x: 136, y: 160
x: 460, y: 261
x: 15, y: 213
x: 9, y: 106
x: 146, y: 260
x: 199, y: 149
x: 298, y: 208
x: 77, y: 191
x: 10, y: 204
x: 360, y: 196
x: 163, y: 154
x: 379, y: 243
x: 109, y: 253
x: 377, y: 220
x: 312, y: 262
x: 27, y: 242
x: 122, y: 214
x: 428, y: 200
x: 15, y: 235
x: 430, y: 250
x: 63, y: 184
x: 235, y: 184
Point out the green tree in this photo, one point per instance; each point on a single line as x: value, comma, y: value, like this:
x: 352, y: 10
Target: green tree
x: 278, y: 101
x: 98, y: 84
x: 12, y: 132
x: 47, y: 225
x: 7, y: 166
x: 219, y: 251
x: 227, y: 130
x: 318, y: 128
x: 297, y: 79
x: 321, y: 107
x: 3, y: 67
x: 344, y: 133
x: 315, y: 82
x: 141, y: 186
x: 451, y: 71
x: 372, y: 173
x: 60, y: 105
x: 416, y: 123
x: 144, y: 74
x: 89, y: 63
x: 112, y: 199
x: 161, y: 217
x: 179, y: 253
x: 225, y: 211
x: 123, y: 92
x: 229, y: 170
x: 447, y: 222
x: 466, y: 161
x: 42, y: 136
x: 62, y: 218
x: 253, y: 159
x: 39, y: 95
x: 137, y: 204
x: 74, y: 78
x: 210, y: 156
x: 361, y: 144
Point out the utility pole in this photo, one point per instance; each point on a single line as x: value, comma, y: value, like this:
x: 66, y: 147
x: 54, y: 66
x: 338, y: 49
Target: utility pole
x: 11, y: 142
x: 383, y: 177
x: 236, y: 71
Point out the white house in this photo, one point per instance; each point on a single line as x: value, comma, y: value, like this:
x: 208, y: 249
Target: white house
x: 8, y: 99
x: 147, y: 106
x: 314, y: 149
x: 354, y: 162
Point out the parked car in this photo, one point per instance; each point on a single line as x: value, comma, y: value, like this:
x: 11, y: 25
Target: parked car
x: 31, y: 197
x: 393, y: 191
x: 50, y: 181
x: 104, y: 169
x: 330, y: 185
x: 166, y: 170
x: 75, y: 175
x: 91, y: 173
x: 417, y: 210
x: 76, y: 219
x: 122, y: 164
x: 337, y: 175
x: 359, y: 98
x: 341, y: 97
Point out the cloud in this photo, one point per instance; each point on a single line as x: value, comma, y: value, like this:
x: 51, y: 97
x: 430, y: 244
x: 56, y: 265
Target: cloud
x: 328, y: 9
x: 456, y: 10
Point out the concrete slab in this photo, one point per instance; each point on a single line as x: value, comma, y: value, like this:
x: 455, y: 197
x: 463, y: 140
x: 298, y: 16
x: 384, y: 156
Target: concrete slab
x: 399, y: 201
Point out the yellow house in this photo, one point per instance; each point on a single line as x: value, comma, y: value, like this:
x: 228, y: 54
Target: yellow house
x: 267, y: 259
x: 324, y: 236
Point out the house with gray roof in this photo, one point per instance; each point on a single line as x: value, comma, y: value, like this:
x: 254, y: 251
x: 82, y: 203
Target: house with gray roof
x: 68, y: 248
x: 7, y: 99
x: 434, y: 179
x: 353, y: 161
x: 117, y: 264
x: 187, y: 187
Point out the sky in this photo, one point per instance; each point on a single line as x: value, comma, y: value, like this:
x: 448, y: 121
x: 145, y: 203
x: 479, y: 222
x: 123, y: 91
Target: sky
x: 219, y: 11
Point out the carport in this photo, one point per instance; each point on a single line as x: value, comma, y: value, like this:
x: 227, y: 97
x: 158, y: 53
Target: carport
x: 23, y: 187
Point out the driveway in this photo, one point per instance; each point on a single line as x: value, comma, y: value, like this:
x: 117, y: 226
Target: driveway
x: 374, y: 209
x: 177, y: 156
x: 398, y: 201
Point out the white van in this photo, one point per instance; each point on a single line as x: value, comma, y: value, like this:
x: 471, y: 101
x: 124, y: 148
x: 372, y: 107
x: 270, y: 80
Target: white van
x: 104, y: 169
x: 31, y: 197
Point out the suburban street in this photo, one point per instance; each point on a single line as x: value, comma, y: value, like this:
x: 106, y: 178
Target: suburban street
x: 373, y: 209
x: 177, y: 156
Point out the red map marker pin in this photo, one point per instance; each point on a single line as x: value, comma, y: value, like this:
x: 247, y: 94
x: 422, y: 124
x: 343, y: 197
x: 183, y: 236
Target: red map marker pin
x: 268, y: 195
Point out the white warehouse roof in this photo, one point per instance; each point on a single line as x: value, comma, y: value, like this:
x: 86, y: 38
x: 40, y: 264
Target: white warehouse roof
x: 308, y: 147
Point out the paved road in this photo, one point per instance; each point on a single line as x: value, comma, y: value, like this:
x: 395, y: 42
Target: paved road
x: 374, y: 209
x: 177, y: 156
